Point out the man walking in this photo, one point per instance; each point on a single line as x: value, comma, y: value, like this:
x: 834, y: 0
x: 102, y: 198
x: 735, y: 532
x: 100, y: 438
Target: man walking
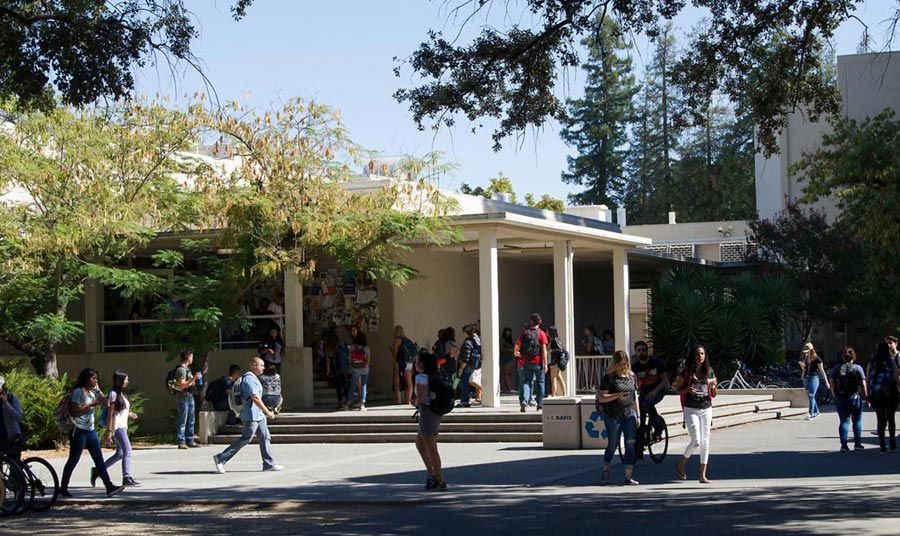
x: 253, y: 418
x: 185, y: 387
x: 531, y: 357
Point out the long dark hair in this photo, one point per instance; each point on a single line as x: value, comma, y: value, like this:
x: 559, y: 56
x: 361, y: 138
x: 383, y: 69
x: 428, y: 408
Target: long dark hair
x: 882, y: 352
x: 508, y: 335
x: 704, y: 368
x: 429, y: 363
x: 83, y: 377
x: 119, y: 378
x: 360, y: 339
x: 448, y: 334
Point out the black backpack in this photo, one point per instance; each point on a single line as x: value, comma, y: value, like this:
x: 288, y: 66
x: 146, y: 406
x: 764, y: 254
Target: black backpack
x: 846, y: 380
x: 531, y: 343
x: 442, y: 395
x: 408, y: 351
x: 171, y: 382
x: 216, y: 391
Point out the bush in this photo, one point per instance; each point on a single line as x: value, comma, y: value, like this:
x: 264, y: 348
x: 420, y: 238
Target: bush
x: 39, y: 397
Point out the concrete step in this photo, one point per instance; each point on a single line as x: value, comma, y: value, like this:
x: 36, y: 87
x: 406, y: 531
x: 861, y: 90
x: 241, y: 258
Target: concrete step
x: 410, y: 426
x: 727, y: 421
x: 404, y: 417
x: 402, y: 437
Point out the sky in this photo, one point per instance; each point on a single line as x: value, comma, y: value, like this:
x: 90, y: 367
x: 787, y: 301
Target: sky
x: 341, y: 53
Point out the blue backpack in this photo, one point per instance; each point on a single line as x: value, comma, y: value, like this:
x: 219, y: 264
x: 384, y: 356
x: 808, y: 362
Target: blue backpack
x: 407, y: 352
x: 882, y: 383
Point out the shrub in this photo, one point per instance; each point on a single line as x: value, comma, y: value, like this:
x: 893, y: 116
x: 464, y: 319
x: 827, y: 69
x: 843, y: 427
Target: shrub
x: 39, y: 397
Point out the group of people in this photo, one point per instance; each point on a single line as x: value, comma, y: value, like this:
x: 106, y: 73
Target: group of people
x: 347, y: 366
x: 878, y: 386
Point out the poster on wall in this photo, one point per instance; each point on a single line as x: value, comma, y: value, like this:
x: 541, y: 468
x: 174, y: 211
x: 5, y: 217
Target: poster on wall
x: 340, y: 298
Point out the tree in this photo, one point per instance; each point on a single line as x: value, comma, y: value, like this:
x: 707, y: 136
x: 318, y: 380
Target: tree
x: 546, y: 202
x: 821, y: 262
x: 84, y: 191
x: 86, y: 50
x: 510, y: 73
x: 858, y: 163
x: 595, y: 125
x: 500, y: 184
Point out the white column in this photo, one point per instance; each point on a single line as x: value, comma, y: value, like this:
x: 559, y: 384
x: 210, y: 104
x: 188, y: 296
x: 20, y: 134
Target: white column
x: 296, y: 371
x: 621, y: 300
x: 563, y: 304
x: 93, y: 305
x: 489, y: 300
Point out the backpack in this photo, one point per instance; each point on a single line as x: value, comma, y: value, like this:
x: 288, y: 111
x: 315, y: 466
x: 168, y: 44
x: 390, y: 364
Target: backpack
x: 63, y: 417
x: 236, y: 400
x: 475, y: 354
x: 846, y: 380
x: 562, y: 358
x: 216, y: 391
x: 172, y: 381
x: 881, y: 380
x: 104, y: 417
x: 407, y: 352
x: 442, y: 395
x: 530, y: 347
x: 358, y: 357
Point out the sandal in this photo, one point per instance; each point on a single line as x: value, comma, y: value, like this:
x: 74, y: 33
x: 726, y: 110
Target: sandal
x: 604, y: 475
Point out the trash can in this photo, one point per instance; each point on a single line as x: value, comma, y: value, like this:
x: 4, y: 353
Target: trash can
x: 590, y: 425
x: 560, y: 423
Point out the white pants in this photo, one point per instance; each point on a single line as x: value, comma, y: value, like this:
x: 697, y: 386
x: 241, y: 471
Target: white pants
x: 698, y: 423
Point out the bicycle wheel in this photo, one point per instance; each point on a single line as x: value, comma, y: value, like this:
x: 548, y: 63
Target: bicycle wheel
x: 724, y: 385
x: 659, y: 447
x: 14, y: 487
x: 44, y: 483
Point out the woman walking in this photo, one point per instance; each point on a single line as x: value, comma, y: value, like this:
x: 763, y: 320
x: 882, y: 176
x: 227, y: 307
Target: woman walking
x: 82, y: 401
x: 812, y: 371
x: 618, y: 398
x: 118, y: 414
x: 404, y: 351
x: 847, y: 380
x: 337, y: 367
x: 429, y: 421
x: 884, y: 393
x: 557, y: 383
x: 696, y: 384
x: 508, y: 361
x: 360, y: 363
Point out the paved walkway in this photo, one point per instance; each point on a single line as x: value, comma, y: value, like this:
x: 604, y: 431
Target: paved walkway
x: 777, y: 475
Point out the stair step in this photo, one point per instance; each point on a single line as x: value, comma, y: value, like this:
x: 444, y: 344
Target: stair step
x: 409, y: 437
x: 411, y: 427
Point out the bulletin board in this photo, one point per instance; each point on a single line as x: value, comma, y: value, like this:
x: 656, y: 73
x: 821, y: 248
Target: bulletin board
x: 340, y: 298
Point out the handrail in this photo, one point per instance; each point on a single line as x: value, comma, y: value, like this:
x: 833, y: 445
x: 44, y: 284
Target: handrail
x: 589, y: 369
x: 221, y: 344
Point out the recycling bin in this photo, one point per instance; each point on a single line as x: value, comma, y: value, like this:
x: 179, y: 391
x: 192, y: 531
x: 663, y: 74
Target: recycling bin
x: 560, y: 423
x: 590, y: 426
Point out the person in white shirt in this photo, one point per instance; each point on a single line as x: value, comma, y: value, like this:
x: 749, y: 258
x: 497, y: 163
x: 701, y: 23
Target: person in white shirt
x: 277, y: 309
x: 118, y: 414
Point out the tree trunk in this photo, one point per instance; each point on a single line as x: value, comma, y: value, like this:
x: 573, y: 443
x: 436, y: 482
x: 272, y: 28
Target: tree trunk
x: 45, y: 364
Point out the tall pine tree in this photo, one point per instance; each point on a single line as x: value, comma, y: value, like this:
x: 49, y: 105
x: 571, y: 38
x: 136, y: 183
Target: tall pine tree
x: 596, y: 126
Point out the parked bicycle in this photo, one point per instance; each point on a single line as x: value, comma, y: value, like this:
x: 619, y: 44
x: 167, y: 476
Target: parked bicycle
x: 30, y: 484
x: 743, y: 379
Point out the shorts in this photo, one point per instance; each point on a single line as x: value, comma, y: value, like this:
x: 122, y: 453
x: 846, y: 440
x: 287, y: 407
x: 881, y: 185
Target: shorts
x: 507, y: 360
x: 429, y: 422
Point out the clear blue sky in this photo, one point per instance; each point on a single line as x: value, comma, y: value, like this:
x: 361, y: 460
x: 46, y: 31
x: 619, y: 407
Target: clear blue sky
x: 341, y: 53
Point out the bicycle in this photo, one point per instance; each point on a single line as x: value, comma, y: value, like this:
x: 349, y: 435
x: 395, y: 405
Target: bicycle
x: 656, y: 444
x: 37, y: 480
x: 739, y: 382
x: 13, y: 485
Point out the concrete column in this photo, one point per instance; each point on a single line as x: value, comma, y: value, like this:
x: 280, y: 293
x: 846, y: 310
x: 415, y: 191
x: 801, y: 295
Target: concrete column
x: 489, y: 300
x: 93, y: 307
x: 296, y: 370
x: 621, y: 300
x: 564, y: 305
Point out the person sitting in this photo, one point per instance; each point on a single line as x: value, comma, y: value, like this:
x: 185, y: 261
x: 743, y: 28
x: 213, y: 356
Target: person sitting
x: 271, y: 384
x: 220, y: 389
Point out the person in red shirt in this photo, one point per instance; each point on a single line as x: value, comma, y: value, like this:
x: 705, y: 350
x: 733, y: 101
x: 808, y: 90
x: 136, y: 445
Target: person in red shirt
x: 531, y: 358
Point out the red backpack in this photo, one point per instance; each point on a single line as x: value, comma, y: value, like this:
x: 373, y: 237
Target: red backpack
x: 358, y: 357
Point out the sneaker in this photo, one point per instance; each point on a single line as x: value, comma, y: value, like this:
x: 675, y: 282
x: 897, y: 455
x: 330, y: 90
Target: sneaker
x: 274, y: 468
x: 362, y: 407
x: 182, y: 446
x: 114, y: 490
x: 65, y: 493
x: 522, y: 408
x: 462, y: 405
x: 94, y: 476
x: 845, y: 448
x: 540, y: 408
x: 814, y: 416
x: 193, y: 446
x: 220, y: 467
x: 858, y: 447
x: 430, y: 484
x: 128, y: 481
x: 442, y: 486
x: 808, y: 417
x: 630, y: 482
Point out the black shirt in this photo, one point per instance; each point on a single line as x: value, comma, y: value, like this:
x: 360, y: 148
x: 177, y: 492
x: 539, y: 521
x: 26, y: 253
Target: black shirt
x: 698, y: 396
x: 649, y: 374
x: 617, y: 384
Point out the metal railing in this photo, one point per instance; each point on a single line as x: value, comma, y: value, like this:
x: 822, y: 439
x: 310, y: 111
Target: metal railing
x: 589, y: 369
x: 127, y: 335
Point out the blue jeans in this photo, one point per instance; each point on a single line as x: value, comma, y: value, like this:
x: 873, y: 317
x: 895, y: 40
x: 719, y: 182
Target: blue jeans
x: 272, y: 401
x: 80, y: 440
x: 465, y: 391
x: 812, y: 387
x: 123, y: 452
x: 849, y: 409
x: 248, y: 429
x: 532, y: 382
x: 615, y: 426
x: 362, y: 380
x: 185, y: 405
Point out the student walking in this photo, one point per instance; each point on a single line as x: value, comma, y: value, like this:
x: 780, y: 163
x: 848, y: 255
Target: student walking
x: 253, y: 419
x: 618, y: 398
x: 884, y: 393
x: 429, y: 421
x: 337, y: 367
x: 508, y: 361
x: 360, y: 363
x: 557, y: 383
x: 118, y: 413
x: 469, y: 363
x: 696, y: 384
x: 404, y: 351
x: 82, y: 400
x: 812, y: 370
x: 446, y: 352
x: 531, y: 357
x: 847, y: 381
